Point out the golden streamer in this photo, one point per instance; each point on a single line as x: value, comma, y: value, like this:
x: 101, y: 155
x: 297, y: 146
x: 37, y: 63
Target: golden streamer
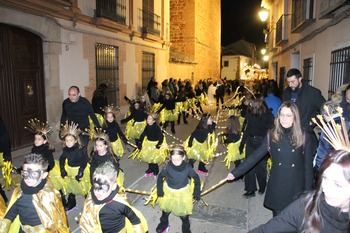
x: 137, y: 191
x: 212, y: 188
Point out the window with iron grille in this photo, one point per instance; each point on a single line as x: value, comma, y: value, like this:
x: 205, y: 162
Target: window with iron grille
x: 111, y: 9
x: 226, y: 63
x: 302, y: 12
x: 107, y: 70
x: 308, y: 71
x: 340, y: 69
x: 148, y: 68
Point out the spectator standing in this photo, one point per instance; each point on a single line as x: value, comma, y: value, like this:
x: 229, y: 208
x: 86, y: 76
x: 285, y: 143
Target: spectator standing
x: 308, y: 99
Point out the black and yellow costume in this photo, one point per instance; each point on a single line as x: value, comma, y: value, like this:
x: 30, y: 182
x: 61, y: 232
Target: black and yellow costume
x: 111, y: 215
x: 39, y: 210
x: 115, y: 135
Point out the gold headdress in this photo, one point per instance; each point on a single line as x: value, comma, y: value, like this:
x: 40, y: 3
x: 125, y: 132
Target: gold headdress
x: 111, y: 109
x: 69, y: 129
x: 98, y: 133
x: 37, y: 127
x: 336, y: 135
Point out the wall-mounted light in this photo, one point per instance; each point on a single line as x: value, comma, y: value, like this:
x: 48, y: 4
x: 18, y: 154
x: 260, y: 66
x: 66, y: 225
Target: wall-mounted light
x: 263, y: 14
x: 263, y: 51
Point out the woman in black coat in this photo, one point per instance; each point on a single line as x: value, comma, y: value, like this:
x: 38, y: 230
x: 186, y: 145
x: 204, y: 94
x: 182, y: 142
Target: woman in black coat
x: 291, y: 171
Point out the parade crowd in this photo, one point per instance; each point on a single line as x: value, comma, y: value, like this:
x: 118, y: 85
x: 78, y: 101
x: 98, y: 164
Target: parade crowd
x: 270, y: 139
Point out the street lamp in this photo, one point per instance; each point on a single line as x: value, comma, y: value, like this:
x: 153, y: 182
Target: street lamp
x: 263, y: 14
x: 263, y: 51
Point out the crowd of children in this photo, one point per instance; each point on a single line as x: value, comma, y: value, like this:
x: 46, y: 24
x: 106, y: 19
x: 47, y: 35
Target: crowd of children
x: 98, y: 175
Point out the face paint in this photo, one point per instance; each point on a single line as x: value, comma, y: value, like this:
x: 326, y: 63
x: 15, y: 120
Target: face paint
x: 101, y: 186
x: 31, y: 174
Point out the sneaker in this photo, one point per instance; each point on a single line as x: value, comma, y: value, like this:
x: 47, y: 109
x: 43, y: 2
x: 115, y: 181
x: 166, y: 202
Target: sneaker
x: 203, y: 173
x: 162, y: 229
x: 149, y: 174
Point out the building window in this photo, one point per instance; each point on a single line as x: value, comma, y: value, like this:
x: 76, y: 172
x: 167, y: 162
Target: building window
x: 107, y: 70
x: 111, y: 9
x: 226, y: 63
x: 148, y: 70
x: 302, y: 13
x: 308, y: 70
x: 340, y: 69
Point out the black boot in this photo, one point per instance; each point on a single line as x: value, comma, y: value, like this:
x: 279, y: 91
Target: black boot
x: 149, y: 171
x: 185, y: 224
x: 155, y: 169
x: 178, y: 119
x: 71, y: 203
x: 201, y: 169
x: 164, y: 222
x: 172, y: 127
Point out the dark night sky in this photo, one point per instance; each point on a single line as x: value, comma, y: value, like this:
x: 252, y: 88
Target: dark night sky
x: 240, y: 20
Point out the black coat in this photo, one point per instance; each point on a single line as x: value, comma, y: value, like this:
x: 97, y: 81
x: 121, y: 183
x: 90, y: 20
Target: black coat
x: 291, y: 171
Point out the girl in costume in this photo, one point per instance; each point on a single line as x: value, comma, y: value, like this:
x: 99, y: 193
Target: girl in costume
x: 107, y: 210
x: 73, y: 166
x: 41, y: 141
x: 103, y: 153
x: 153, y: 146
x: 136, y: 123
x: 232, y: 138
x: 112, y: 128
x: 200, y: 145
x: 170, y: 111
x: 35, y: 201
x: 175, y: 193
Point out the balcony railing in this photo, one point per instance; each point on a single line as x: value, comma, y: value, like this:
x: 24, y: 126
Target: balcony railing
x: 150, y: 22
x: 282, y: 30
x: 111, y: 9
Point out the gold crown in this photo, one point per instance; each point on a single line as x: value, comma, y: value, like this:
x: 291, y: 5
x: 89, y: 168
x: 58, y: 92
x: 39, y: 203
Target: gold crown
x: 336, y: 135
x: 35, y: 126
x: 111, y: 109
x: 98, y: 133
x: 69, y: 129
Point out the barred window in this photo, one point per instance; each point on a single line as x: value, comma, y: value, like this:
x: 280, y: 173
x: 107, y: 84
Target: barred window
x: 308, y: 70
x: 107, y: 70
x: 339, y: 70
x: 226, y: 63
x: 148, y: 68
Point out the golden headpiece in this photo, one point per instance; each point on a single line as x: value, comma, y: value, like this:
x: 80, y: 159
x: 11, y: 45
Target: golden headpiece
x: 177, y: 149
x: 111, y: 109
x: 69, y: 129
x: 336, y: 135
x: 98, y: 133
x: 37, y: 127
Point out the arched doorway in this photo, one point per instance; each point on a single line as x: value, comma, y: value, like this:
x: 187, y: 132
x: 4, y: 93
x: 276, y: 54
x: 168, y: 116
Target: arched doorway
x: 22, y: 90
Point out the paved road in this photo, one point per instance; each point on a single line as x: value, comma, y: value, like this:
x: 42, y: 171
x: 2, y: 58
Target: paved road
x: 227, y: 210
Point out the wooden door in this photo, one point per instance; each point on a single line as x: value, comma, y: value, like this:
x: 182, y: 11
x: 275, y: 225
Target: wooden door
x: 21, y: 82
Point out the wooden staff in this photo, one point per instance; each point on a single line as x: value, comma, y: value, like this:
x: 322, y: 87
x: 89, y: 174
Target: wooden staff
x: 223, y: 181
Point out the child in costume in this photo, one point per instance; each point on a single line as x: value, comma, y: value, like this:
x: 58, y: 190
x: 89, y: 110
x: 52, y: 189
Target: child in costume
x: 232, y: 138
x: 73, y: 166
x: 112, y: 128
x: 201, y: 143
x: 103, y: 153
x: 175, y: 191
x: 106, y: 210
x: 170, y: 111
x: 153, y: 146
x: 136, y: 123
x: 41, y: 141
x: 37, y: 204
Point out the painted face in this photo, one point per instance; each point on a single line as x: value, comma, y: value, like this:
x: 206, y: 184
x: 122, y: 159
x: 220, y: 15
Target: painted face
x: 150, y: 120
x: 102, y: 187
x: 210, y: 121
x: 101, y: 148
x: 177, y: 159
x: 286, y: 117
x: 73, y: 95
x: 70, y: 141
x: 293, y: 82
x: 39, y: 140
x: 109, y: 117
x: 33, y: 174
x: 335, y: 187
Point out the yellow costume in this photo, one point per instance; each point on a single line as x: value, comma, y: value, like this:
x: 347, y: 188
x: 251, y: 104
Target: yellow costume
x: 134, y: 129
x: 90, y: 222
x: 233, y: 153
x: 117, y: 147
x: 149, y: 153
x: 203, y: 152
x: 48, y: 205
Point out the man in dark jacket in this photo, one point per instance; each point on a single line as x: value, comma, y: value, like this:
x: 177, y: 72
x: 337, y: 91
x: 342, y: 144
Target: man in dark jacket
x: 308, y: 99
